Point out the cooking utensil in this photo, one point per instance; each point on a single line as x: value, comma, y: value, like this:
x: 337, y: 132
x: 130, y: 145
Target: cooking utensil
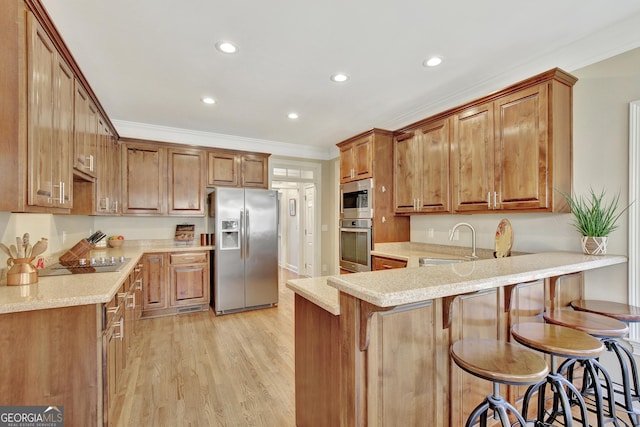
x: 5, y: 249
x: 14, y: 251
x: 40, y: 246
x: 19, y: 247
x: 91, y: 238
x: 25, y: 243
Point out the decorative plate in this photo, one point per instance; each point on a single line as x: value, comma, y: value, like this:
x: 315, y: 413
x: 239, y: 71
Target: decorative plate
x: 504, y: 239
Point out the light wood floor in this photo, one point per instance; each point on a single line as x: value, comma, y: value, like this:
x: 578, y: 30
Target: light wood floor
x: 197, y: 369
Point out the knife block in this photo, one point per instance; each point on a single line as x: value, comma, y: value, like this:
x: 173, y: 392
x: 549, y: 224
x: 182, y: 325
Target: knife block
x: 82, y: 249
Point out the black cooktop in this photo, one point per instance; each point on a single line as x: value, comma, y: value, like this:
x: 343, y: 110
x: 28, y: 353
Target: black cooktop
x: 84, y: 266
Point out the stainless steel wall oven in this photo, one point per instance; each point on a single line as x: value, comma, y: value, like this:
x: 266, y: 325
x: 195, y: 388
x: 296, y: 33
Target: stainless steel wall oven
x: 355, y: 244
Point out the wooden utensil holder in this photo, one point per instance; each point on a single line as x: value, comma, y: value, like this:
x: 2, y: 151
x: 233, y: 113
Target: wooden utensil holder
x: 81, y: 249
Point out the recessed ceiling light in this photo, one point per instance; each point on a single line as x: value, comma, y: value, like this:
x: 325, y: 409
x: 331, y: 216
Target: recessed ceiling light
x: 226, y: 47
x: 339, y: 78
x: 434, y: 61
x: 292, y: 115
x: 208, y: 100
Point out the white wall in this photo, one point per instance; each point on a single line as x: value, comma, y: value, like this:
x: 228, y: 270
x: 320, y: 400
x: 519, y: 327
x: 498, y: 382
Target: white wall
x: 600, y: 160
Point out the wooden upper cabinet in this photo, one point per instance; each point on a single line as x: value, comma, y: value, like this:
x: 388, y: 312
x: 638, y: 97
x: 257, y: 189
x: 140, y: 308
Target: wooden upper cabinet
x: 222, y: 169
x: 509, y: 151
x: 255, y: 170
x: 472, y: 151
x: 186, y: 189
x: 356, y: 159
x: 521, y: 150
x: 50, y: 85
x: 237, y: 169
x: 85, y: 133
x: 505, y: 155
x: 421, y: 169
x: 143, y: 179
x: 107, y: 167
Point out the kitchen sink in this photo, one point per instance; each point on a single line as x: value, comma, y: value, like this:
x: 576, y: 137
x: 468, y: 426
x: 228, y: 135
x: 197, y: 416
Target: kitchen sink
x: 426, y: 262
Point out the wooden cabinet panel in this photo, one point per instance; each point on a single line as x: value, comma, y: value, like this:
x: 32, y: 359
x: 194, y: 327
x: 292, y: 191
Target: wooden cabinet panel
x: 521, y: 151
x: 189, y: 278
x: 421, y: 172
x: 50, y: 122
x: 475, y: 315
x: 473, y: 142
x: 382, y: 263
x: 107, y: 167
x: 143, y: 179
x: 57, y: 349
x: 255, y: 170
x: 237, y: 169
x: 222, y: 169
x: 186, y: 195
x: 406, y: 183
x: 392, y: 362
x: 154, y: 281
x: 356, y: 160
x: 85, y: 132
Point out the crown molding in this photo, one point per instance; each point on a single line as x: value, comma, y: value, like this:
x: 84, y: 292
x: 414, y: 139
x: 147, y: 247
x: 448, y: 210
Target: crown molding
x: 216, y: 140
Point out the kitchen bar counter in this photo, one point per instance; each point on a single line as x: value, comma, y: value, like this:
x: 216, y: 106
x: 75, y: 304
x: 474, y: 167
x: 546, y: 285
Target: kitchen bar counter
x: 371, y: 348
x: 81, y: 289
x: 317, y: 291
x: 400, y: 286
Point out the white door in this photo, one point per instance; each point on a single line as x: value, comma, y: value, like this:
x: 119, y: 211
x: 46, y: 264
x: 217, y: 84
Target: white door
x: 309, y: 229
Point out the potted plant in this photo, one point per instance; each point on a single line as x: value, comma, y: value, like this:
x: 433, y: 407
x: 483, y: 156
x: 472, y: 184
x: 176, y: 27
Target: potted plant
x: 595, y: 219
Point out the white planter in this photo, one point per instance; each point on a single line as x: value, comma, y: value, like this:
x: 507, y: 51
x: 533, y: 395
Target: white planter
x: 594, y: 245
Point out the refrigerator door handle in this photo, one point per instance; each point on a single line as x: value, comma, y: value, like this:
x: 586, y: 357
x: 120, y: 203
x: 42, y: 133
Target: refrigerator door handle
x: 247, y: 233
x: 242, y: 235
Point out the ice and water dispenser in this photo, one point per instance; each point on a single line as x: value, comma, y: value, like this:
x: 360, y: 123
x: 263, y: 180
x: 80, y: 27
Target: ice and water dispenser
x: 230, y: 238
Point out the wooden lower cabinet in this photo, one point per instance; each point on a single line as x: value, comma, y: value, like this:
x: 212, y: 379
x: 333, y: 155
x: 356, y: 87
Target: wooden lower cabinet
x: 393, y: 361
x: 154, y: 282
x: 393, y: 365
x: 382, y: 263
x: 175, y: 282
x: 189, y: 278
x: 52, y: 357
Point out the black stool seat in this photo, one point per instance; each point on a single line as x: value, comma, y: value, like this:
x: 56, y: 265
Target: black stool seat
x: 557, y: 341
x: 501, y: 363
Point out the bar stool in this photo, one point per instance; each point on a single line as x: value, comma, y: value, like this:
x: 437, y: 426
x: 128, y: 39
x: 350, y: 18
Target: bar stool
x: 628, y: 314
x: 603, y: 328
x: 556, y: 341
x: 501, y: 363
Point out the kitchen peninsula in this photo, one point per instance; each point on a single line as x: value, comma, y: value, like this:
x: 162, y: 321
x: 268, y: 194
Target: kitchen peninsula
x: 66, y: 337
x: 389, y: 332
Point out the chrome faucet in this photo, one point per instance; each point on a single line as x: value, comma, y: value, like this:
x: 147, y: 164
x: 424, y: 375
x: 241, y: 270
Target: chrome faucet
x: 473, y: 237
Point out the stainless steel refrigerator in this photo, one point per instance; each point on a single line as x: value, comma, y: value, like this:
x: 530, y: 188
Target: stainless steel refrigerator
x: 246, y: 252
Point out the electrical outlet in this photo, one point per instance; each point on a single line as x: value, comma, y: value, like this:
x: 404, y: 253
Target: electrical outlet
x: 456, y: 235
x: 64, y: 236
x: 430, y: 233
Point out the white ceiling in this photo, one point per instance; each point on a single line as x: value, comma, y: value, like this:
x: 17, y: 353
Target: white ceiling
x: 151, y: 61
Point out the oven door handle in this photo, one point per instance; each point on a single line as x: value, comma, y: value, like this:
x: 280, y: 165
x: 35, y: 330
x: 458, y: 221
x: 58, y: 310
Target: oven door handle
x: 355, y: 230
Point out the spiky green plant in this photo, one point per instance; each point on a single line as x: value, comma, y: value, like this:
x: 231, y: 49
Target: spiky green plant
x: 593, y: 217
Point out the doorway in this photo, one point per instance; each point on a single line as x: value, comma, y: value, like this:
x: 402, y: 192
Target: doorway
x: 297, y: 184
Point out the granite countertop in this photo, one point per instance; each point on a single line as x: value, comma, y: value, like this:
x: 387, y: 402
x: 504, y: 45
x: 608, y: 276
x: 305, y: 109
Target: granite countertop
x: 400, y: 286
x: 82, y: 289
x: 411, y: 252
x: 316, y: 290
